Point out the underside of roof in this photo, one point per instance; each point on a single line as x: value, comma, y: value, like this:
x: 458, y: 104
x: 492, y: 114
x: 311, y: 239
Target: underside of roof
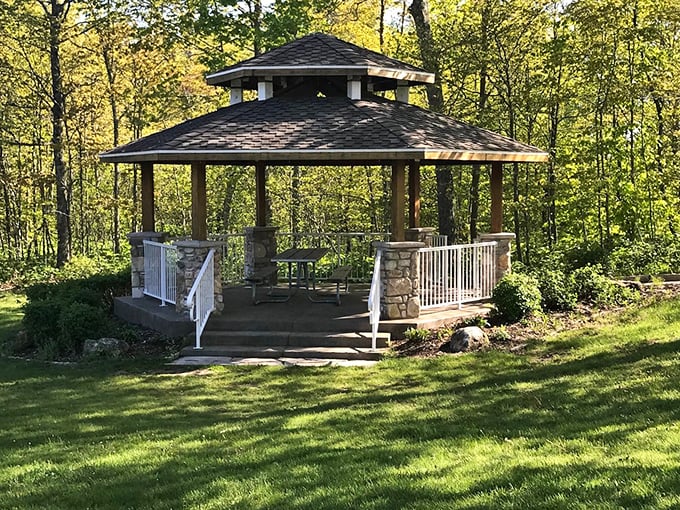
x: 324, y: 131
x: 320, y: 55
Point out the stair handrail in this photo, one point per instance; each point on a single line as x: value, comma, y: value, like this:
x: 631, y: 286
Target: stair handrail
x: 374, y: 300
x: 201, y: 298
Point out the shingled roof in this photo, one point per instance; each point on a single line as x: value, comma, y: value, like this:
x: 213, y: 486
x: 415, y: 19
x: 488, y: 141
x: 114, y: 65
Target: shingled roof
x: 324, y: 130
x: 321, y: 54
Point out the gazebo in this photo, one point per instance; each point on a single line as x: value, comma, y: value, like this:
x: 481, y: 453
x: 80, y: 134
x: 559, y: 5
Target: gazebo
x: 319, y: 102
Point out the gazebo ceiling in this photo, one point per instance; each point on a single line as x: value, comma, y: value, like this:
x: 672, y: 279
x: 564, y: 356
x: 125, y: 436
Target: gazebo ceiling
x: 324, y: 130
x: 322, y: 55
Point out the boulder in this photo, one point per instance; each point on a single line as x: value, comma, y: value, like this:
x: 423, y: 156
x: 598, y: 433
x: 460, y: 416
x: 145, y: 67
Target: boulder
x: 105, y: 347
x: 468, y: 339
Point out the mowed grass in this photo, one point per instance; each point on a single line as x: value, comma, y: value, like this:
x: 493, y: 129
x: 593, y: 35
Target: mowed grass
x: 588, y: 419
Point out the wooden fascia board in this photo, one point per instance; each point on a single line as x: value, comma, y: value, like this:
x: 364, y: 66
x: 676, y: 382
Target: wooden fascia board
x: 339, y: 155
x: 223, y: 77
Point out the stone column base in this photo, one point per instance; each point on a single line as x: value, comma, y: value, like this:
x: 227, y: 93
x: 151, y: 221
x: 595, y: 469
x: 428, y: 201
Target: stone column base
x: 400, y: 275
x: 260, y: 247
x: 190, y: 257
x: 136, y: 240
x: 503, y: 251
x: 420, y: 235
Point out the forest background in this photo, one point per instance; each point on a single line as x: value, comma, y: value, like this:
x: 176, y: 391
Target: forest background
x: 593, y: 82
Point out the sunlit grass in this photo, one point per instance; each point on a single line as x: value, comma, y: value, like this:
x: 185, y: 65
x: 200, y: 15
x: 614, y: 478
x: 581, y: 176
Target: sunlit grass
x: 586, y: 419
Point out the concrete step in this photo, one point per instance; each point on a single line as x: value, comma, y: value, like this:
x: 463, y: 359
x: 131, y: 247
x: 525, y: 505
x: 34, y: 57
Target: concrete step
x: 291, y: 339
x: 252, y: 351
x: 288, y: 323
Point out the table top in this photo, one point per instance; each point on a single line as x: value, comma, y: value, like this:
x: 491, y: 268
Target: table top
x: 300, y: 255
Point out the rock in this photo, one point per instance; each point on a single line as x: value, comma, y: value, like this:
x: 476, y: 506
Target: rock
x: 467, y: 339
x: 105, y: 347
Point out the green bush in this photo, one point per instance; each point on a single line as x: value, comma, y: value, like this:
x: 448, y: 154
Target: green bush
x: 41, y: 320
x: 77, y: 322
x: 592, y: 286
x: 557, y: 291
x: 516, y: 296
x: 416, y: 334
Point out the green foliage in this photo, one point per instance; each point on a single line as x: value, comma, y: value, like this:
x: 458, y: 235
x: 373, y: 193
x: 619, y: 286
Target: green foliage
x: 592, y: 286
x: 60, y: 315
x: 416, y: 334
x: 516, y: 297
x: 78, y: 322
x: 649, y: 258
x: 499, y: 334
x: 41, y: 320
x: 478, y: 320
x: 557, y: 291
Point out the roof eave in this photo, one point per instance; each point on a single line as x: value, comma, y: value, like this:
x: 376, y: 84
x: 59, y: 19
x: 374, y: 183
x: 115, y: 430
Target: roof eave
x: 329, y: 155
x: 413, y: 76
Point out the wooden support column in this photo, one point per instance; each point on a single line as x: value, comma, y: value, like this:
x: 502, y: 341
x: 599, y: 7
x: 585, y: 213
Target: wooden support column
x: 199, y: 224
x: 496, y: 197
x: 414, y: 194
x: 260, y: 199
x: 398, y: 188
x: 148, y: 204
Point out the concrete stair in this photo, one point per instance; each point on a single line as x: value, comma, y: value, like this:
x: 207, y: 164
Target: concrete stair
x: 286, y: 344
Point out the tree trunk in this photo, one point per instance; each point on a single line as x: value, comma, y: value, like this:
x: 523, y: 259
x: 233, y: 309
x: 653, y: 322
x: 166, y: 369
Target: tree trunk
x: 420, y: 11
x: 109, y: 64
x: 56, y: 13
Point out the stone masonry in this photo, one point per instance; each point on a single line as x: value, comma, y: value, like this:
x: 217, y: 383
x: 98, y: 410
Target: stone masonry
x: 400, y: 275
x: 136, y: 240
x: 260, y: 247
x: 190, y: 257
x: 503, y: 250
x: 420, y: 234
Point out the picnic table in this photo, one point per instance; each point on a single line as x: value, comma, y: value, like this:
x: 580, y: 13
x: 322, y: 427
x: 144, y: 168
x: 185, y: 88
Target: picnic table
x: 302, y: 257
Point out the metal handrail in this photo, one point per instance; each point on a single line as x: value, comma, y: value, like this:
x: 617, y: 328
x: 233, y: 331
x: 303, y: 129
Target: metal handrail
x: 203, y: 287
x: 374, y: 300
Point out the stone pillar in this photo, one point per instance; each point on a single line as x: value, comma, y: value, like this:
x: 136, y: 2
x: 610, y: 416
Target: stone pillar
x: 400, y: 275
x: 136, y: 240
x: 260, y: 247
x: 420, y: 235
x: 190, y: 257
x: 503, y: 250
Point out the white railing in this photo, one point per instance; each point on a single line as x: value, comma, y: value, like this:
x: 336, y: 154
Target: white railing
x: 439, y: 240
x: 160, y: 271
x: 458, y: 274
x: 374, y: 300
x: 201, y: 298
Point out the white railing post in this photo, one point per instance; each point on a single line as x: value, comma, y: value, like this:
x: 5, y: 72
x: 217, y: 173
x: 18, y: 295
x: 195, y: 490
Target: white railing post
x: 374, y: 300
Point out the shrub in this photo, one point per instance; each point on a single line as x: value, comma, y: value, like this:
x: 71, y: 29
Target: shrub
x: 418, y: 334
x: 592, y: 286
x: 557, y: 291
x: 77, y: 322
x: 41, y: 319
x: 516, y: 296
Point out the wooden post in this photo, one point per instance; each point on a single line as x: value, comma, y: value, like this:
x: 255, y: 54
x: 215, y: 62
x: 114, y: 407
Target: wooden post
x: 398, y: 191
x: 148, y: 204
x: 414, y: 194
x: 496, y: 197
x: 260, y: 199
x: 199, y: 226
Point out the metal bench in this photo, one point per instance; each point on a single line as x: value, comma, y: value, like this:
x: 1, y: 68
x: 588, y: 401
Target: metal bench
x: 261, y: 277
x: 340, y: 275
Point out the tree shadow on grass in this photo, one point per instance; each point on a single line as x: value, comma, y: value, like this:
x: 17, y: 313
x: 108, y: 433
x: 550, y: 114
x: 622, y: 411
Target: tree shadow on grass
x: 262, y: 438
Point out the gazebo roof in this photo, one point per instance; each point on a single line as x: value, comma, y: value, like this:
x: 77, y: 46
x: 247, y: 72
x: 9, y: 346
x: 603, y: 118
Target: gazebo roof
x: 324, y: 130
x: 320, y: 55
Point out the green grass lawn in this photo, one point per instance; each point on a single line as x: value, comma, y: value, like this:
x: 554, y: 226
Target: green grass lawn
x: 10, y: 314
x: 588, y: 419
